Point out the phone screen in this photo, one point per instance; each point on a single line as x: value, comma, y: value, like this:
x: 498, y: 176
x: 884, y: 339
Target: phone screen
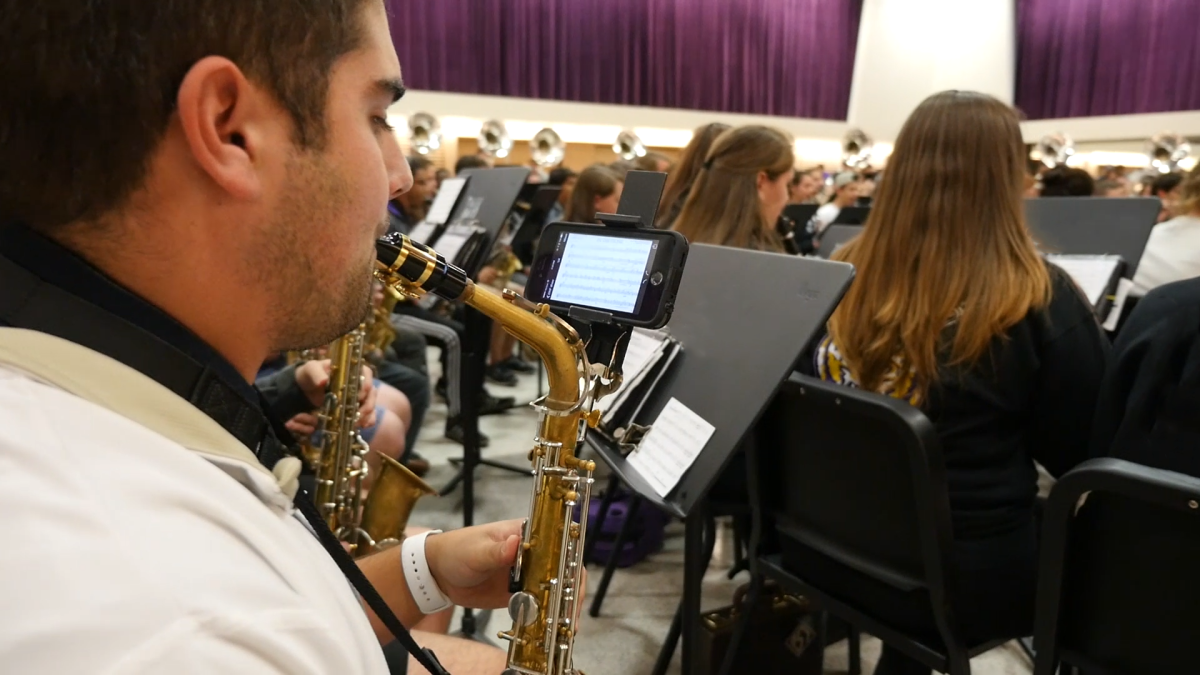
x: 608, y: 273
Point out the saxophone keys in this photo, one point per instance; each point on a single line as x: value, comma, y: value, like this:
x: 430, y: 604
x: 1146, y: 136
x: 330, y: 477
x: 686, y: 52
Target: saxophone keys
x: 523, y: 609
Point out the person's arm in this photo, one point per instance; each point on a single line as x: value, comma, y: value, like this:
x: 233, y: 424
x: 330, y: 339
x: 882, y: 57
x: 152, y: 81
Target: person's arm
x: 471, y: 566
x: 300, y: 389
x: 1072, y: 366
x: 284, y: 393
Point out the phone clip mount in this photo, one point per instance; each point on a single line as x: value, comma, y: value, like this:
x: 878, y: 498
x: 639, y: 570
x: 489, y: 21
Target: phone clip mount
x: 606, y: 339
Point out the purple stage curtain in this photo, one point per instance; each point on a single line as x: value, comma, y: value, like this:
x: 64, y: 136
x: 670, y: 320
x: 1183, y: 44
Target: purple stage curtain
x: 1107, y: 57
x: 774, y: 57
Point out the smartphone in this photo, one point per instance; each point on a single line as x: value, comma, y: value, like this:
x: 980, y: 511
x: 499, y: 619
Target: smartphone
x: 631, y: 274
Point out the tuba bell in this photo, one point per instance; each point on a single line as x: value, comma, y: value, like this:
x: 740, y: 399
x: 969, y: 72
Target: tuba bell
x: 856, y: 149
x: 494, y: 140
x: 424, y: 133
x: 547, y: 148
x: 1165, y: 151
x: 1054, y: 150
x: 629, y: 146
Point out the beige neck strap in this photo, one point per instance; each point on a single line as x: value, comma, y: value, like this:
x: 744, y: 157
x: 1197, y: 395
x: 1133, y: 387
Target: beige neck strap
x: 111, y: 384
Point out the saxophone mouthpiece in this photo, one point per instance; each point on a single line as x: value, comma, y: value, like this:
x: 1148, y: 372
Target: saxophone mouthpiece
x: 400, y: 260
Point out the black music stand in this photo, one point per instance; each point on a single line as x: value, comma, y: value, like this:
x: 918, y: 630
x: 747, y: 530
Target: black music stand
x: 836, y: 235
x: 1094, y: 226
x: 743, y: 318
x: 852, y: 215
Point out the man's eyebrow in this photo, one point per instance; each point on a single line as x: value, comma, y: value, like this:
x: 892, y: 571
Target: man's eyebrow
x: 391, y: 87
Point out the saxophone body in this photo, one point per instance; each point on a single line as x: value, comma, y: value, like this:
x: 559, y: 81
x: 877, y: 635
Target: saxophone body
x: 338, y: 455
x: 548, y: 572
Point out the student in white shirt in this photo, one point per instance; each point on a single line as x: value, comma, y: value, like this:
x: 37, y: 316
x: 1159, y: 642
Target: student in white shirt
x: 201, y: 183
x: 1173, y: 250
x: 845, y: 193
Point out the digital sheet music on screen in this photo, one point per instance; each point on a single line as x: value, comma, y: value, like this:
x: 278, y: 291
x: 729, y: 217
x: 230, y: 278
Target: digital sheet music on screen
x: 605, y: 272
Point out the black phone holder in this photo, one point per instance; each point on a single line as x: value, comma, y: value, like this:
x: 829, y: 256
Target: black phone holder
x: 606, y: 339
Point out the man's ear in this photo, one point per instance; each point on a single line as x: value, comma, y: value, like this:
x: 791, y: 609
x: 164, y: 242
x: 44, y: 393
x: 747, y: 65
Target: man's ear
x: 221, y: 115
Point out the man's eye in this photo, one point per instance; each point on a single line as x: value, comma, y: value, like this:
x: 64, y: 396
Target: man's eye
x: 382, y: 123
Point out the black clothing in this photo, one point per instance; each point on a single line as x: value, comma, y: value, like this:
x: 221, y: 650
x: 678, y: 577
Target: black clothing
x: 1032, y: 397
x: 1149, y: 406
x: 282, y: 394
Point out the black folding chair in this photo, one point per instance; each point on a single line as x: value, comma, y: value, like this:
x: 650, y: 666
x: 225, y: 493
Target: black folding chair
x: 856, y: 487
x: 1119, y: 587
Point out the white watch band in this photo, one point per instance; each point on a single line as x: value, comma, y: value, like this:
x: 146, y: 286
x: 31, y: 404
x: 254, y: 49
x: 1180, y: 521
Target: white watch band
x: 424, y: 589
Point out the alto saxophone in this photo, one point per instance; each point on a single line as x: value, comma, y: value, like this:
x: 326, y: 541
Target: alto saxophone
x: 338, y: 455
x: 549, y: 567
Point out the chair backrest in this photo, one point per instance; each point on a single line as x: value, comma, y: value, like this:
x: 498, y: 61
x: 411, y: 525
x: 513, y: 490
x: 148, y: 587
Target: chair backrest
x: 860, y: 479
x: 1119, y: 583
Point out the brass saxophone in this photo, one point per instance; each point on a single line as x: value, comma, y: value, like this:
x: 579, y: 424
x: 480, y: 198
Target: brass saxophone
x: 338, y: 455
x: 549, y: 567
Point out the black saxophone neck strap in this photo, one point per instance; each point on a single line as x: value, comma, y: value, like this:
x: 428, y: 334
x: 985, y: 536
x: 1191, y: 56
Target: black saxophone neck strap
x: 28, y: 302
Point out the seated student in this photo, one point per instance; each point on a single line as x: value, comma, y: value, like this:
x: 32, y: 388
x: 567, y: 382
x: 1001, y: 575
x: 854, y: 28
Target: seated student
x: 683, y: 175
x: 565, y: 178
x: 846, y: 187
x: 1150, y: 401
x: 469, y: 162
x: 1064, y: 181
x: 597, y: 190
x: 1167, y: 188
x: 740, y: 191
x: 295, y: 394
x: 953, y: 310
x: 1172, y: 250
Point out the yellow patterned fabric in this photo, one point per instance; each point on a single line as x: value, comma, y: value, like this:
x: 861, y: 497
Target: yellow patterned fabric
x: 832, y: 367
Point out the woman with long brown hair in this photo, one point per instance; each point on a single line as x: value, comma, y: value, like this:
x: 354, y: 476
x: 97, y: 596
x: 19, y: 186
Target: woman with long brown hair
x: 683, y: 174
x: 954, y: 311
x: 740, y: 191
x: 597, y: 190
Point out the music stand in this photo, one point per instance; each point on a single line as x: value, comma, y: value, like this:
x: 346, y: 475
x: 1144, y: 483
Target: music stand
x: 852, y: 215
x: 800, y: 214
x: 836, y: 235
x: 741, y: 334
x: 1094, y: 226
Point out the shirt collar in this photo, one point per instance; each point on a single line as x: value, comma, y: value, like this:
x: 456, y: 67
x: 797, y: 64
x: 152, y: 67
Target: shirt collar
x: 58, y: 266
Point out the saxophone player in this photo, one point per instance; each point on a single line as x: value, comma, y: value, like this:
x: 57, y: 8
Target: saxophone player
x: 153, y: 252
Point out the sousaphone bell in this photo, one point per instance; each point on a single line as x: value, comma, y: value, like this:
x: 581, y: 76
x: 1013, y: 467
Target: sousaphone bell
x: 425, y: 133
x: 547, y: 148
x: 494, y: 140
x: 629, y: 146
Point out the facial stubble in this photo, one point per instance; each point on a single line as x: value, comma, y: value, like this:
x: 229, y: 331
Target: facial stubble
x: 319, y: 296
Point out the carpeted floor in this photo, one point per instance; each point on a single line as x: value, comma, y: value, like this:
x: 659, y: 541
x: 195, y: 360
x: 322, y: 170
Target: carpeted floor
x: 626, y: 638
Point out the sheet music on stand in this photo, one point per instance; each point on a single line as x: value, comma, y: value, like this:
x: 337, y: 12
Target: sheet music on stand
x: 648, y: 356
x: 422, y: 232
x: 450, y: 245
x: 1096, y: 275
x: 443, y: 204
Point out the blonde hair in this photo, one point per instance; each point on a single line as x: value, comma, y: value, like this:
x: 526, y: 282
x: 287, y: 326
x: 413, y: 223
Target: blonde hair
x: 723, y: 206
x: 945, y: 240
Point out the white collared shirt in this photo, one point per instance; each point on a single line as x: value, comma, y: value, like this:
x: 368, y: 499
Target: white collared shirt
x: 124, y: 552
